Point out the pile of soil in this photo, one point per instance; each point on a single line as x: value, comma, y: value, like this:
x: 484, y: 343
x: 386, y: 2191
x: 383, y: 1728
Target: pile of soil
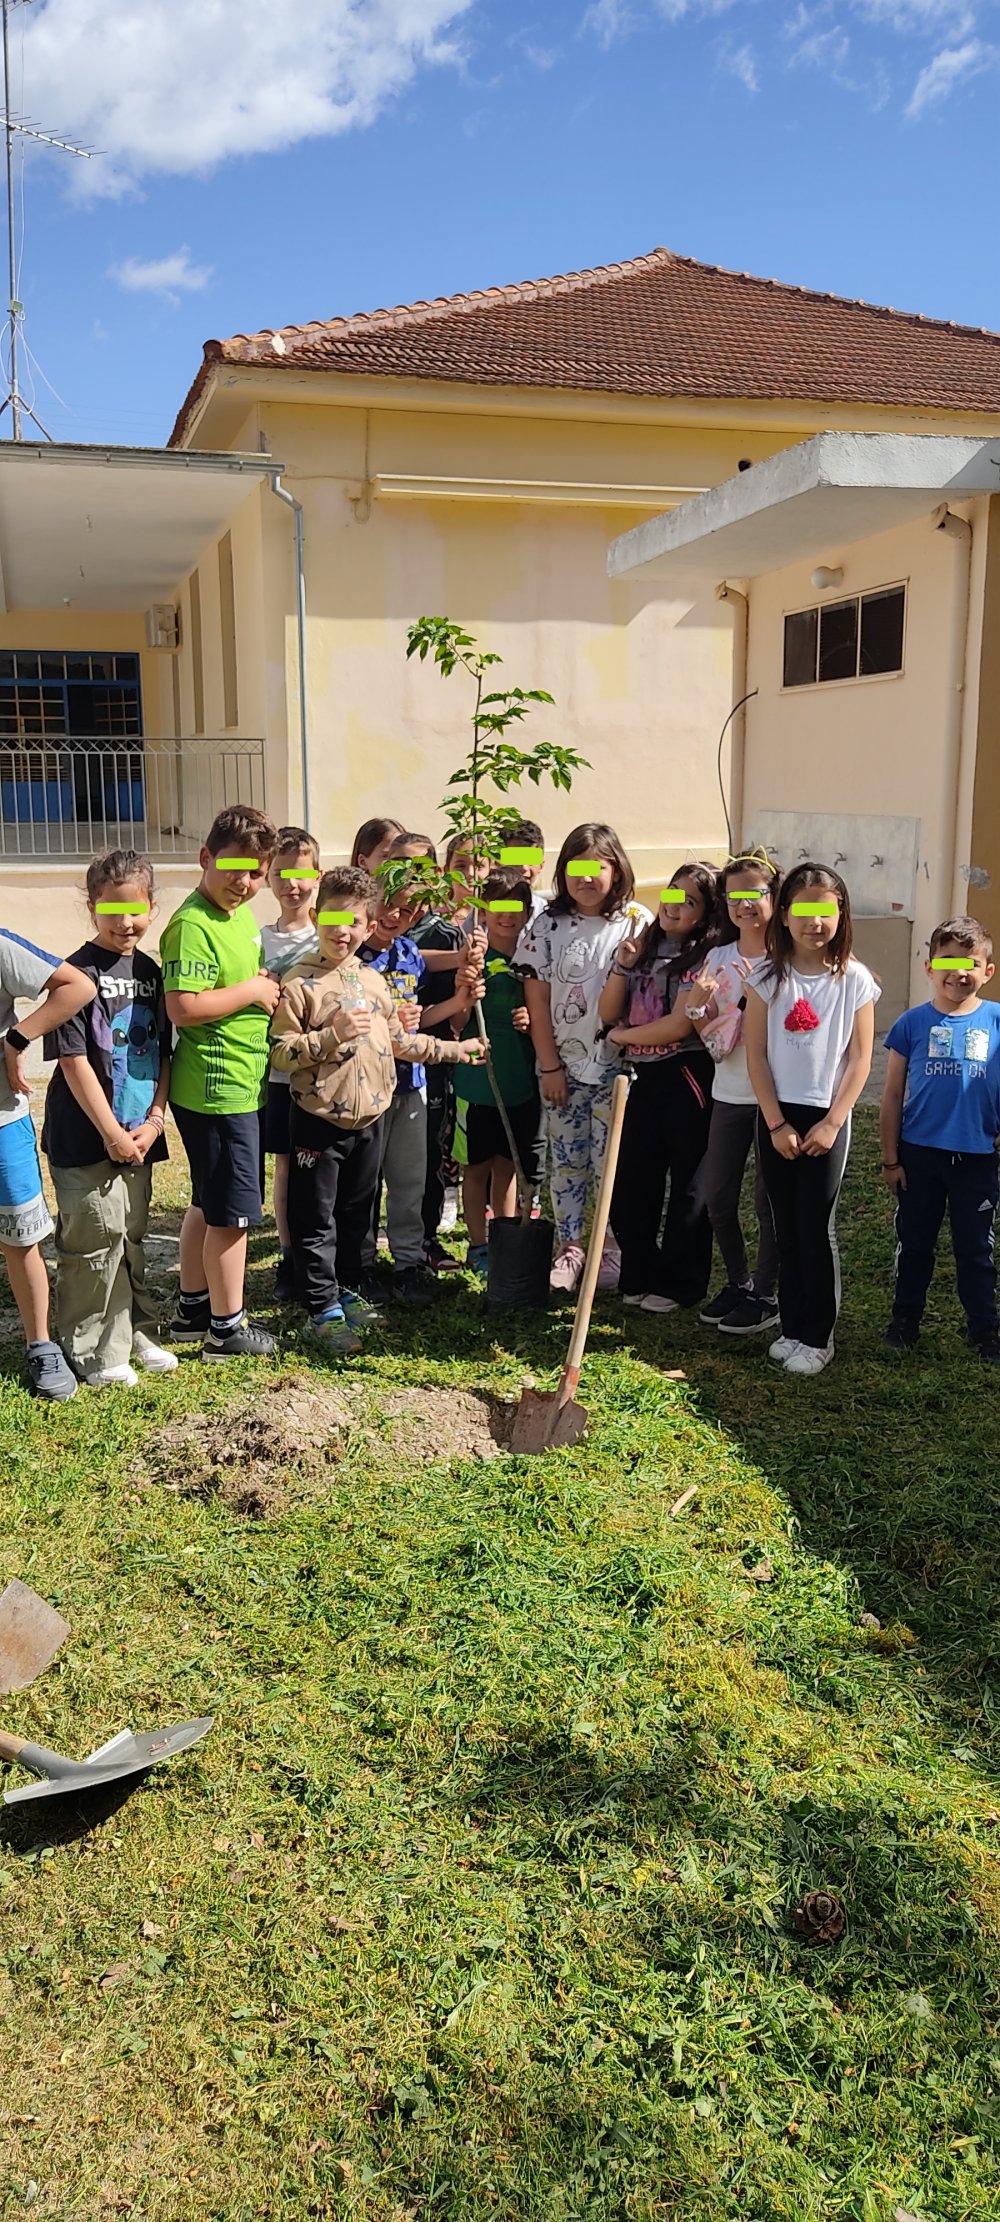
x: 279, y: 1444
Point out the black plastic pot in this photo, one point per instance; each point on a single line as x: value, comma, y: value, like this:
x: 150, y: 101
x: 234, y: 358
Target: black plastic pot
x: 520, y: 1261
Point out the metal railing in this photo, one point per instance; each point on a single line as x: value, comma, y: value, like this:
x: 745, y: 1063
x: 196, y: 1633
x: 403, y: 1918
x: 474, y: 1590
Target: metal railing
x: 67, y: 796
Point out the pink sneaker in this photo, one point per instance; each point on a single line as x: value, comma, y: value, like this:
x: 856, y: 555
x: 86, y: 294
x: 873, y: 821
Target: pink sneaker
x: 609, y: 1272
x: 567, y: 1269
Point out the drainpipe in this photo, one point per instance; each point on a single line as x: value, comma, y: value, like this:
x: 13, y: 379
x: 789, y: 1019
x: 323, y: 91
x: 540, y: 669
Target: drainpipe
x: 959, y: 763
x: 300, y: 587
x: 738, y: 748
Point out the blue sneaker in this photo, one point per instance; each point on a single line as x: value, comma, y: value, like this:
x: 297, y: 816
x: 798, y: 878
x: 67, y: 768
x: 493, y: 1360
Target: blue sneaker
x: 358, y: 1312
x: 336, y: 1336
x: 477, y: 1260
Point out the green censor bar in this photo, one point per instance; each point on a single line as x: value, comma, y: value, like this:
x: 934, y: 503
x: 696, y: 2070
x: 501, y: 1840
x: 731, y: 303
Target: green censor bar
x: 121, y: 910
x: 583, y: 868
x: 293, y: 873
x: 672, y: 895
x: 744, y: 894
x: 938, y: 964
x: 237, y: 863
x: 505, y: 904
x: 335, y: 918
x: 815, y: 910
x: 522, y: 856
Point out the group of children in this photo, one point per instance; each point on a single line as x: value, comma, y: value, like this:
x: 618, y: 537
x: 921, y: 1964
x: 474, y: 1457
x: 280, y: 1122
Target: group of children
x: 348, y: 1038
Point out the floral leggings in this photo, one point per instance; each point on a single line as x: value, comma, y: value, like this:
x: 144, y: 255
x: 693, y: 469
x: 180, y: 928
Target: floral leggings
x: 578, y: 1138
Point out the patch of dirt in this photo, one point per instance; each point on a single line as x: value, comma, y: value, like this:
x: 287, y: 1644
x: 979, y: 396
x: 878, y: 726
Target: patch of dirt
x: 442, y: 1424
x: 279, y: 1445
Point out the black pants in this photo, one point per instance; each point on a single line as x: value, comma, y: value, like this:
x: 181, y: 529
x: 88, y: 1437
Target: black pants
x: 803, y: 1193
x: 732, y: 1136
x: 331, y: 1190
x: 664, y: 1138
x: 966, y: 1187
x: 439, y: 1107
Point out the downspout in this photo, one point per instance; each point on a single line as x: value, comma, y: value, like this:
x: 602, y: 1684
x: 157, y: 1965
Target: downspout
x: 953, y: 896
x: 300, y: 589
x: 738, y: 747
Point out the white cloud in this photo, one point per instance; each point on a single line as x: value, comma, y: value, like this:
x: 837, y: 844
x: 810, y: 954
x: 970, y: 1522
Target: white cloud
x: 950, y: 68
x: 173, y: 86
x: 608, y: 19
x: 172, y: 275
x: 741, y: 62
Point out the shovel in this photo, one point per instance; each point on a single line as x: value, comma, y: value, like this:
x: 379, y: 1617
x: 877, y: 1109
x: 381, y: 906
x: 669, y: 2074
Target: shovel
x: 549, y: 1419
x: 31, y: 1632
x: 124, y: 1755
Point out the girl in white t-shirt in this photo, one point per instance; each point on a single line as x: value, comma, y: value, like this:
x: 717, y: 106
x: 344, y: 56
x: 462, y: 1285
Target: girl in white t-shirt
x: 565, y: 954
x: 809, y: 1028
x: 748, y: 1302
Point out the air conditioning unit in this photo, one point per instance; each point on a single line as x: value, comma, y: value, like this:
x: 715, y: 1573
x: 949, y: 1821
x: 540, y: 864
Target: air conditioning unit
x: 162, y: 630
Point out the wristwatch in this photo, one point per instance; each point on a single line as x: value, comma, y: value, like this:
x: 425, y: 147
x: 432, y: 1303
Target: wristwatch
x: 16, y: 1039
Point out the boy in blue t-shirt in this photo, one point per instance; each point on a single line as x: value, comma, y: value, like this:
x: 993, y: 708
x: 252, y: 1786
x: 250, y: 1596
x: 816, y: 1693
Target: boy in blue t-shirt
x: 939, y: 1126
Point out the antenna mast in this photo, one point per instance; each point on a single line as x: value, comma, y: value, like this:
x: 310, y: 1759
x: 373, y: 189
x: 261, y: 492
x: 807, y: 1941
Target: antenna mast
x: 15, y: 127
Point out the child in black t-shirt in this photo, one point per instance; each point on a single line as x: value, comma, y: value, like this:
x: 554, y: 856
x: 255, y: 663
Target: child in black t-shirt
x: 103, y: 1133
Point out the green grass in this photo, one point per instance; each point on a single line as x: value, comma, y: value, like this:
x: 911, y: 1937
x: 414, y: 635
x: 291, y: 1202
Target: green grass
x: 477, y: 1901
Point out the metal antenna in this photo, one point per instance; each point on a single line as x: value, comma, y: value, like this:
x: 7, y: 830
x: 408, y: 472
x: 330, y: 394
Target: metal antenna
x: 15, y: 127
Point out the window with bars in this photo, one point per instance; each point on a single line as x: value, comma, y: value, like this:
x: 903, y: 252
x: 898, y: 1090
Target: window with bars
x: 45, y: 696
x: 857, y: 638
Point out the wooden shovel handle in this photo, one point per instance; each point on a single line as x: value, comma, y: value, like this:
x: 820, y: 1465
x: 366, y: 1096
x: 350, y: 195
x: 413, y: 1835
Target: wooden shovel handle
x: 602, y: 1211
x: 11, y: 1747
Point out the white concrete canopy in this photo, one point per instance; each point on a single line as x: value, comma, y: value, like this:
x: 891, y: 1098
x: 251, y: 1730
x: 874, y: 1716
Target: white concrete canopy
x: 806, y: 501
x: 92, y: 528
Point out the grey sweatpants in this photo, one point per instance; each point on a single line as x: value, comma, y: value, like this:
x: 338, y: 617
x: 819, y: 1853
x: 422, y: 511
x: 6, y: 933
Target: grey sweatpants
x: 731, y: 1137
x: 101, y: 1296
x: 403, y: 1172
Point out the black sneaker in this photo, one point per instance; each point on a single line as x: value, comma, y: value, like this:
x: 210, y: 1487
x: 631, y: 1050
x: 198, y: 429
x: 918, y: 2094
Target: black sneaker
x: 718, y: 1306
x: 901, y: 1334
x: 245, y: 1341
x: 372, y: 1286
x: 189, y: 1326
x: 439, y: 1260
x: 751, y: 1316
x: 413, y: 1286
x: 49, y: 1373
x: 988, y: 1347
x: 284, y: 1282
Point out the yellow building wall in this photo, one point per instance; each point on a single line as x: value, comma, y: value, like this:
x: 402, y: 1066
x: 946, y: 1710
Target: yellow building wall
x: 881, y: 746
x: 641, y: 683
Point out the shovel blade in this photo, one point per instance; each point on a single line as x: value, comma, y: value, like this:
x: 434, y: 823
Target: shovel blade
x: 541, y: 1423
x: 31, y: 1632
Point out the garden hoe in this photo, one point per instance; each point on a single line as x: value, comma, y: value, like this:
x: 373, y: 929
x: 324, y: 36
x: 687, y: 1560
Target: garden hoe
x: 31, y: 1632
x: 546, y: 1420
x: 124, y: 1755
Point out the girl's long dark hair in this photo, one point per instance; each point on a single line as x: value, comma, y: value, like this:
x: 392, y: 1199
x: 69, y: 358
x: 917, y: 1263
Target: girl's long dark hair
x: 692, y: 950
x: 371, y: 833
x: 780, y: 946
x: 605, y: 840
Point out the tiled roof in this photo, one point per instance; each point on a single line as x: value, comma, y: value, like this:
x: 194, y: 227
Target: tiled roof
x: 662, y: 325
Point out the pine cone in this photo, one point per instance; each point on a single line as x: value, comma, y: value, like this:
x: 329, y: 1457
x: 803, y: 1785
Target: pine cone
x: 820, y: 1918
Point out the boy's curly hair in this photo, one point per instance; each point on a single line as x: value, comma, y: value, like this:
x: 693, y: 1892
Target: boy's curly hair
x: 347, y: 884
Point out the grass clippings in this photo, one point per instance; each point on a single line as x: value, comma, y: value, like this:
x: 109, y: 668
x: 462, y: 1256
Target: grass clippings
x: 478, y: 1903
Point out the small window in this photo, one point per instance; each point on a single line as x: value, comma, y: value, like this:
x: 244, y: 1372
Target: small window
x: 855, y: 639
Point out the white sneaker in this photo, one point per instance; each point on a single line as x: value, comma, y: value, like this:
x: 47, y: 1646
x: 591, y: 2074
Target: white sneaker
x: 656, y: 1303
x: 807, y: 1360
x: 150, y: 1357
x: 449, y: 1214
x: 784, y: 1348
x: 635, y: 1302
x: 112, y: 1377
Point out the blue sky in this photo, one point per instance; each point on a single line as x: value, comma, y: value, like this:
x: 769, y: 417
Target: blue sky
x: 263, y: 163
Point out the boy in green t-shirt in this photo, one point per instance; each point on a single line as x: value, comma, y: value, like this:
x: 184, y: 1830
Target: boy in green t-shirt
x: 481, y: 1145
x: 220, y: 999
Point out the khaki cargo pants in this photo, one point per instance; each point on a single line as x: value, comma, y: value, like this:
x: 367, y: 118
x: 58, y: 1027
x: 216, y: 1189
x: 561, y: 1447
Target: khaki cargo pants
x: 101, y: 1297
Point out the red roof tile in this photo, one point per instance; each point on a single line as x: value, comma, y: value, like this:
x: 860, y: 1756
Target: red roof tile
x: 662, y: 325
